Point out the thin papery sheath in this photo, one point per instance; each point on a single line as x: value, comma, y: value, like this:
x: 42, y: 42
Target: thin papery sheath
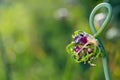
x: 84, y: 47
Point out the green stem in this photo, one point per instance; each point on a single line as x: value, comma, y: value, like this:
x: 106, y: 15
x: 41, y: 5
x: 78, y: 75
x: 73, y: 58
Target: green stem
x: 5, y: 61
x: 97, y: 33
x: 68, y: 69
x: 107, y: 20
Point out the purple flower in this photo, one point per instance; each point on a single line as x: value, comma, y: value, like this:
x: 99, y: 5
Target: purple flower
x: 77, y: 49
x: 84, y: 47
x: 77, y: 39
x: 82, y: 39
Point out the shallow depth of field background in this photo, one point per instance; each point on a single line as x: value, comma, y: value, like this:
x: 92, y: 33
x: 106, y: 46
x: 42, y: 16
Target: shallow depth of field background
x: 36, y: 32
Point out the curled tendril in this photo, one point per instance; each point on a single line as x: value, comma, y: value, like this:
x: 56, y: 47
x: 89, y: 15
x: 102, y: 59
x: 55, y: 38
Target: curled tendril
x: 83, y: 48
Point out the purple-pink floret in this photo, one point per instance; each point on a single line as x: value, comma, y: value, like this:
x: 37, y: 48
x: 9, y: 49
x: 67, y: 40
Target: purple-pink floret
x: 77, y: 49
x: 84, y: 39
x: 80, y: 39
x: 77, y: 39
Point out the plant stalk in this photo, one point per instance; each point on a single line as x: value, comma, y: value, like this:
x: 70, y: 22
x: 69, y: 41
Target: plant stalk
x: 97, y: 33
x: 5, y: 60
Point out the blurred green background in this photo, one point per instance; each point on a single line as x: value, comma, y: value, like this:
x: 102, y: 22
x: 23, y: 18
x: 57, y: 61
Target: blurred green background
x: 35, y: 33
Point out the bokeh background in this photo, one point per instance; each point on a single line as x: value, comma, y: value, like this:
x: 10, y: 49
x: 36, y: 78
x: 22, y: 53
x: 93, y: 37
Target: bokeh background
x: 34, y: 35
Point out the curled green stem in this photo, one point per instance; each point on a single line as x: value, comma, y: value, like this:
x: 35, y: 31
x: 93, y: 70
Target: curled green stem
x: 107, y: 20
x: 97, y: 33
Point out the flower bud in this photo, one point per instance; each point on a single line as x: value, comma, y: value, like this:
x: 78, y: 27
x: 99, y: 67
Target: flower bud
x: 84, y: 47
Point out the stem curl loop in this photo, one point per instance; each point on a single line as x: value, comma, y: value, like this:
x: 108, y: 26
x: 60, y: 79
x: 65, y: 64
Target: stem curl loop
x: 107, y: 20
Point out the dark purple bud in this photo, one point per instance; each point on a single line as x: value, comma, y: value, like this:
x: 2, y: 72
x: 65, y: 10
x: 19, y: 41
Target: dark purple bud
x: 77, y: 49
x: 84, y: 40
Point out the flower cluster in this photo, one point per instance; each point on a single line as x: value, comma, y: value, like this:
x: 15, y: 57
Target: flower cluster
x: 84, y: 47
